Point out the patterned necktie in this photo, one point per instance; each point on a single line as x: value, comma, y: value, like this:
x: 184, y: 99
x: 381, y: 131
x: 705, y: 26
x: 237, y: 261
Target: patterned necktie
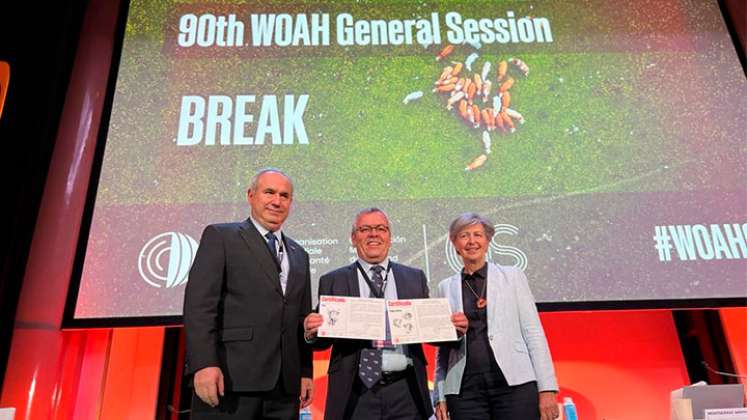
x: 378, y: 281
x: 369, y: 367
x: 272, y: 242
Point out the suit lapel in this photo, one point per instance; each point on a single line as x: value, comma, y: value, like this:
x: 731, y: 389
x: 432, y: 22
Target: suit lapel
x: 261, y: 253
x: 295, y: 278
x: 400, y: 282
x: 495, y: 292
x: 353, y: 289
x: 456, y: 290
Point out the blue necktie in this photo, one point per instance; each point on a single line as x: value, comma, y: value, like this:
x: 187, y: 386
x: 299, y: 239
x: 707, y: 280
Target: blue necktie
x: 272, y: 242
x: 369, y: 367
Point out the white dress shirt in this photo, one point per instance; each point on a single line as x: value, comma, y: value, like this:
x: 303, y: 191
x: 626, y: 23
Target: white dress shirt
x: 279, y: 251
x: 393, y: 359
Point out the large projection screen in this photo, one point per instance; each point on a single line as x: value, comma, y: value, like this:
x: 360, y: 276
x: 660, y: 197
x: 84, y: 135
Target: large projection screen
x: 605, y: 140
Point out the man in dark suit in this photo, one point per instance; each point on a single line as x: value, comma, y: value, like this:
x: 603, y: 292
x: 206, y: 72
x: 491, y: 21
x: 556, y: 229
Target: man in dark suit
x: 248, y: 293
x: 358, y: 388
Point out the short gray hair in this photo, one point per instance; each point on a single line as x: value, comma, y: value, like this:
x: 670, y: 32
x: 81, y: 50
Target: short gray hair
x: 367, y: 210
x: 469, y: 219
x: 255, y: 178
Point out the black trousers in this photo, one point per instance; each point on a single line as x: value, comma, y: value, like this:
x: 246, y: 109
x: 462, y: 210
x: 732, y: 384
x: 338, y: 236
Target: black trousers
x: 273, y: 404
x: 391, y: 401
x: 486, y: 396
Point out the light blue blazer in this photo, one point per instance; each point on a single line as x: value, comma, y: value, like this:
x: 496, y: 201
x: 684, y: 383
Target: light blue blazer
x: 514, y: 331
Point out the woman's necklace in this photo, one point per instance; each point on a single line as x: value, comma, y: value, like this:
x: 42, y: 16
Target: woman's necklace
x: 481, y: 301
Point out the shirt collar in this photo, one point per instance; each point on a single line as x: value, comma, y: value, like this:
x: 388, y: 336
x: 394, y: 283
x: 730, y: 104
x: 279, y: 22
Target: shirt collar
x: 367, y: 265
x: 481, y: 273
x: 263, y: 231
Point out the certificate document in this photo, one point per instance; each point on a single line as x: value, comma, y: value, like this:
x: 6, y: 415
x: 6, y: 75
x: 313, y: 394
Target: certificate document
x: 420, y: 321
x: 352, y: 317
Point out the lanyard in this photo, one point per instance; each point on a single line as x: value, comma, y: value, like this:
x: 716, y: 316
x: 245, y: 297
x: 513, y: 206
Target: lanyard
x: 370, y: 284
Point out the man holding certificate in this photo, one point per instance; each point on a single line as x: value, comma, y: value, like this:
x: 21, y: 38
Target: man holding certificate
x: 374, y: 379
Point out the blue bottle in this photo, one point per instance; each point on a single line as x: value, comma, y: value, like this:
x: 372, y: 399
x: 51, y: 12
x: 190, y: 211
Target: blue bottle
x: 304, y: 414
x: 569, y: 409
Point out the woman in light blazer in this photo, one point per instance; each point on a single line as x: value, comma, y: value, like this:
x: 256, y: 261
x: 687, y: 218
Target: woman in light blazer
x: 501, y: 368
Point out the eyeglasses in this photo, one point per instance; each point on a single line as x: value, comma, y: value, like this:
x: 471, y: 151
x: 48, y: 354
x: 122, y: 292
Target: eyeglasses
x: 366, y: 229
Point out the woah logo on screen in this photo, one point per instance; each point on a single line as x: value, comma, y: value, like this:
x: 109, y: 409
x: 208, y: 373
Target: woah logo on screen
x: 496, y: 250
x: 165, y: 260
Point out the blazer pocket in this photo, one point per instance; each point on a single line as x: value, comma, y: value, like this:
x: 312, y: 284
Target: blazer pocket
x: 237, y: 334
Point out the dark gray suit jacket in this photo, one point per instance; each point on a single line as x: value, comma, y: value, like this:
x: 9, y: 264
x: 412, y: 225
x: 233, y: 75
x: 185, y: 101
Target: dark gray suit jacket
x: 236, y: 316
x: 343, y: 363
